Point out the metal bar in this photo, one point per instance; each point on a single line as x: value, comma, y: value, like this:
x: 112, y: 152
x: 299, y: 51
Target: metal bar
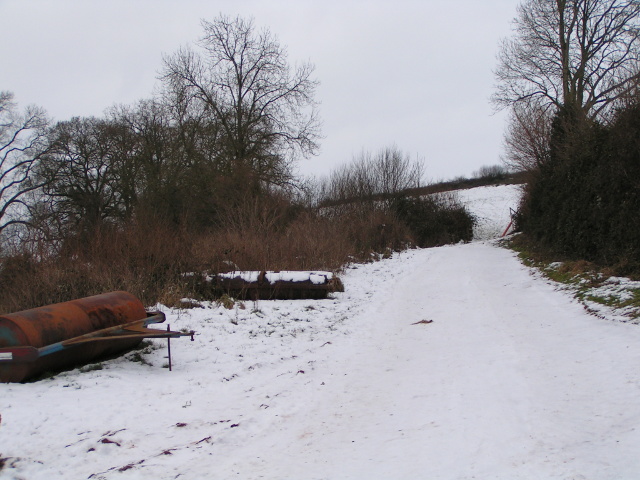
x: 126, y: 336
x: 169, y: 348
x: 157, y: 317
x: 129, y: 331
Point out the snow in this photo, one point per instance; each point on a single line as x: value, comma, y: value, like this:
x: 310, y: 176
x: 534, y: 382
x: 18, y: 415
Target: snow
x: 317, y: 278
x: 492, y: 208
x: 511, y: 380
x: 251, y: 276
x: 615, y: 289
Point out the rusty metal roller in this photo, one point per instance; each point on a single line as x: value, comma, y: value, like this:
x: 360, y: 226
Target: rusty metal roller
x: 65, y: 334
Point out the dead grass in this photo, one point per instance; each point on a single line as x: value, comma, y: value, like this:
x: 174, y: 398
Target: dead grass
x: 595, y: 286
x: 150, y: 258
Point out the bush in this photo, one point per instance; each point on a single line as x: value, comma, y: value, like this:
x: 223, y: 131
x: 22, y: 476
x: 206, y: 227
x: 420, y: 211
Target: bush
x: 370, y: 178
x: 435, y: 220
x: 144, y: 259
x: 149, y: 259
x: 493, y: 173
x: 585, y: 202
x: 149, y: 255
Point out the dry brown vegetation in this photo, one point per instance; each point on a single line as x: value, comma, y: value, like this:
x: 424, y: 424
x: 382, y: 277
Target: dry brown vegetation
x: 149, y: 259
x: 198, y: 179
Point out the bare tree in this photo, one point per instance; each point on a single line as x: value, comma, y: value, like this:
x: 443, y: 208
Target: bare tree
x: 579, y: 55
x: 528, y: 136
x: 23, y: 141
x: 267, y: 111
x: 372, y: 178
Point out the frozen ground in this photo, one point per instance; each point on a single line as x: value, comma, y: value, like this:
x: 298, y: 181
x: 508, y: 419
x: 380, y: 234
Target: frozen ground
x: 510, y: 379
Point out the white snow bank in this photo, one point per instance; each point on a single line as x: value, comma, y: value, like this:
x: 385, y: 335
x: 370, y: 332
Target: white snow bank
x: 317, y: 278
x: 492, y: 208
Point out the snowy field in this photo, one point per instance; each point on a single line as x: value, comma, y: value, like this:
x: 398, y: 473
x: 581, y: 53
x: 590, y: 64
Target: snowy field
x: 447, y: 363
x: 492, y: 208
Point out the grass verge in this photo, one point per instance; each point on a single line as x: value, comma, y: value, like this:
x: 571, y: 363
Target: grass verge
x: 598, y: 288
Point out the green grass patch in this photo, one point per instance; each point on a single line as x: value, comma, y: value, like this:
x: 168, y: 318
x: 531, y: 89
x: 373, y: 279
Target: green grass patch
x: 138, y: 355
x: 594, y: 286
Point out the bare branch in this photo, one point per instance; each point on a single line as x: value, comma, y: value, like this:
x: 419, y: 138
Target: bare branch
x: 266, y: 110
x: 23, y: 142
x: 579, y: 53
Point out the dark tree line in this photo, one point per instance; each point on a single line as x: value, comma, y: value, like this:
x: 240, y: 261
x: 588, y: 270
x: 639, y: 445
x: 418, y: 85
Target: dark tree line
x: 584, y: 203
x: 197, y: 179
x: 232, y: 119
x: 570, y: 75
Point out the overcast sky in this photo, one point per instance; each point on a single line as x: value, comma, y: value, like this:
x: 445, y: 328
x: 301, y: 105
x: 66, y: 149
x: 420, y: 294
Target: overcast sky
x: 414, y: 73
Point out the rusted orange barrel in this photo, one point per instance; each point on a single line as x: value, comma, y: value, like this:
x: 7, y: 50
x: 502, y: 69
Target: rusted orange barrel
x: 51, y: 324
